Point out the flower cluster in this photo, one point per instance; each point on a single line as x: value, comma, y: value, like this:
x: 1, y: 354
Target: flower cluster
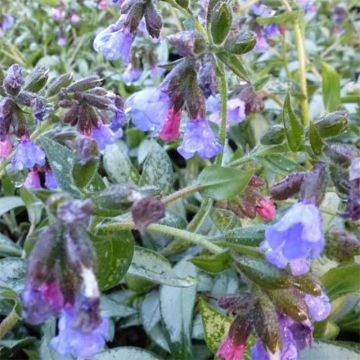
x: 61, y: 281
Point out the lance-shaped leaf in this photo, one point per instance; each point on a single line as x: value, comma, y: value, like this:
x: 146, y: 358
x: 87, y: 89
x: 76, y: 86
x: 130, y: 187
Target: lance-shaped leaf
x: 249, y: 236
x: 212, y: 263
x: 283, y: 18
x: 222, y: 183
x: 234, y: 64
x: 220, y: 21
x: 293, y: 126
x: 125, y: 352
x: 315, y: 139
x: 215, y: 324
x: 261, y: 272
x: 152, y: 266
x: 330, y: 87
x: 10, y: 202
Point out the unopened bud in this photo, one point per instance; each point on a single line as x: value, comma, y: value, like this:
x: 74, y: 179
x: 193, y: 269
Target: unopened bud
x: 287, y: 187
x: 134, y: 10
x: 188, y: 43
x: 75, y: 211
x: 37, y: 79
x: 354, y: 170
x: 59, y: 83
x: 85, y: 84
x: 266, y: 209
x: 241, y: 43
x: 147, y: 211
x: 314, y: 184
x: 6, y: 110
x: 86, y: 150
x: 206, y: 77
x: 153, y: 20
x: 341, y: 245
x: 254, y: 102
x: 100, y: 102
x: 14, y: 80
x: 332, y: 124
x: 274, y: 135
x: 341, y: 153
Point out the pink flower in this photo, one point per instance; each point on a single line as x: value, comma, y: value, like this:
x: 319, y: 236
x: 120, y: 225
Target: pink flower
x: 32, y: 180
x: 230, y: 351
x: 103, y: 5
x: 5, y: 147
x: 170, y: 128
x: 266, y: 209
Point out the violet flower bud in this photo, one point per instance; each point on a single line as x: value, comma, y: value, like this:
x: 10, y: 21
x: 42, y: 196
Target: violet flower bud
x: 153, y: 20
x: 319, y: 306
x: 71, y: 341
x: 27, y: 155
x: 206, y: 77
x: 50, y: 180
x: 295, y: 239
x: 187, y: 43
x: 147, y: 211
x: 254, y: 102
x: 235, y: 111
x: 7, y: 107
x: 131, y: 74
x: 86, y: 150
x: 314, y: 185
x: 104, y: 135
x: 75, y: 212
x: 288, y: 186
x: 5, y: 147
x: 114, y: 43
x: 14, y: 80
x: 38, y: 107
x: 148, y: 108
x: 32, y: 180
x: 200, y: 139
x: 341, y: 245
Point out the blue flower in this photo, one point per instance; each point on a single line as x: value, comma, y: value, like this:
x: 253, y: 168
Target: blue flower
x: 42, y: 301
x: 28, y: 155
x: 200, y: 139
x: 295, y: 337
x: 32, y: 180
x: 71, y: 341
x: 148, y: 108
x: 319, y: 306
x: 50, y: 180
x: 114, y: 42
x: 131, y: 74
x: 295, y: 239
x: 104, y: 135
x: 271, y: 30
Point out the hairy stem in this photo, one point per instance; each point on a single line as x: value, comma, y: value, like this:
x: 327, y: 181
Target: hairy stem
x: 181, y: 193
x: 8, y: 323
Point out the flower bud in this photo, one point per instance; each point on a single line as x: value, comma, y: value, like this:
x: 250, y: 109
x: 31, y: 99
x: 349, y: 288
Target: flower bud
x: 14, y: 80
x: 153, y: 20
x: 147, y: 211
x: 314, y: 184
x: 87, y: 83
x: 254, y: 102
x: 332, y: 124
x: 7, y: 107
x: 134, y: 10
x: 59, y: 83
x: 266, y: 209
x: 86, y: 150
x: 37, y: 79
x: 206, y: 77
x: 274, y: 135
x: 38, y: 107
x: 352, y: 210
x: 241, y: 43
x: 339, y: 177
x: 288, y: 186
x: 341, y: 245
x: 188, y: 43
x: 341, y: 153
x: 354, y: 170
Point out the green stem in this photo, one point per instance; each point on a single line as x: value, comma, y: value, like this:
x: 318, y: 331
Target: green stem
x: 223, y: 111
x: 302, y: 65
x: 8, y: 323
x: 193, y: 238
x: 181, y: 193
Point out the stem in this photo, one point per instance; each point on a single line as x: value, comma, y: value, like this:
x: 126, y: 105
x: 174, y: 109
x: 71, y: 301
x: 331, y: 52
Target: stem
x: 193, y: 238
x: 8, y: 323
x: 302, y: 65
x: 181, y: 193
x: 223, y: 111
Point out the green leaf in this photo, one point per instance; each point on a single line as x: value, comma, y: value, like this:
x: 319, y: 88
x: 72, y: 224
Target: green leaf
x: 315, y: 139
x: 8, y: 247
x: 293, y: 126
x: 114, y: 254
x: 61, y: 162
x: 280, y: 164
x: 234, y: 64
x: 125, y: 352
x: 330, y: 87
x: 326, y: 351
x: 222, y: 183
x: 8, y: 203
x: 241, y: 43
x: 118, y: 166
x: 83, y: 174
x: 33, y: 205
x: 216, y: 325
x: 109, y: 308
x: 283, y: 18
x: 332, y: 124
x: 249, y: 236
x: 220, y: 22
x: 152, y: 266
x: 176, y: 307
x: 342, y: 280
x: 157, y: 169
x: 212, y: 263
x: 12, y: 273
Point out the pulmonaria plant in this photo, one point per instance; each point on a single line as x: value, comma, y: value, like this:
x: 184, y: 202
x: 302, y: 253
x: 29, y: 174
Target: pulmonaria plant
x: 198, y: 198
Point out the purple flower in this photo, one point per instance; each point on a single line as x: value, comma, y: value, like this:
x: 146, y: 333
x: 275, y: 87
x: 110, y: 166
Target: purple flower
x: 28, y: 155
x: 261, y: 43
x: 75, y: 19
x: 235, y: 110
x: 38, y: 107
x: 50, y: 180
x: 131, y: 74
x: 103, y: 135
x: 32, y: 180
x: 308, y: 6
x: 7, y: 22
x: 295, y: 239
x: 114, y: 43
x: 271, y: 30
x: 148, y: 108
x: 228, y: 350
x: 71, y: 341
x: 319, y: 306
x: 5, y: 147
x: 200, y: 139
x: 41, y: 302
x: 170, y: 129
x: 62, y: 41
x: 295, y: 337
